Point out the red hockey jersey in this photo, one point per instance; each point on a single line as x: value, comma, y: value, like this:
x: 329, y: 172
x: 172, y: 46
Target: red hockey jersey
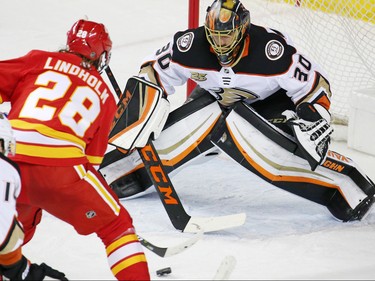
x: 61, y: 113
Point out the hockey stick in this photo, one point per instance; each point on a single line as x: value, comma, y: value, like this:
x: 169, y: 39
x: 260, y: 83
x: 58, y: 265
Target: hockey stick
x: 171, y: 250
x: 225, y: 269
x: 164, y: 187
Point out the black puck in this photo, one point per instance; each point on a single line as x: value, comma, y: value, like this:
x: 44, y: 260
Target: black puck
x: 163, y: 271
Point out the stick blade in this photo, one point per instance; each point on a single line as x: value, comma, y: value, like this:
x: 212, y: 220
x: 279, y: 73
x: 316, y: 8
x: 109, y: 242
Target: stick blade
x: 174, y: 250
x: 225, y: 269
x: 210, y: 224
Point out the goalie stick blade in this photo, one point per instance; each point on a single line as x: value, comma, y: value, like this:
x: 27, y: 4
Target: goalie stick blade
x: 225, y: 269
x: 171, y: 250
x: 209, y: 224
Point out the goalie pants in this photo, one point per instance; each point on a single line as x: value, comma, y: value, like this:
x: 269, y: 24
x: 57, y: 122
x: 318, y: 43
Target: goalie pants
x: 79, y: 196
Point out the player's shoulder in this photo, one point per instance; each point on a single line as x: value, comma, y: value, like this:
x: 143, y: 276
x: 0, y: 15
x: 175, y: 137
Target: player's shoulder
x: 265, y: 37
x: 266, y: 33
x: 191, y: 49
x: 37, y: 58
x: 270, y: 52
x: 62, y: 55
x: 39, y: 53
x: 8, y: 165
x: 186, y: 38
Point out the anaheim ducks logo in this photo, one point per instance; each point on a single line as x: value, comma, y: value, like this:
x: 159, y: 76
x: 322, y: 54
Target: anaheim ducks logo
x: 229, y: 96
x: 185, y: 41
x: 274, y: 50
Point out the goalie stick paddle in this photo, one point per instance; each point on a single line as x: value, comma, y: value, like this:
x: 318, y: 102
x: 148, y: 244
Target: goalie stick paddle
x: 172, y: 204
x: 163, y: 185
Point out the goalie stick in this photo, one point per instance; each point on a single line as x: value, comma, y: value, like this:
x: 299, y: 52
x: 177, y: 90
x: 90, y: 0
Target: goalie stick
x: 164, y: 187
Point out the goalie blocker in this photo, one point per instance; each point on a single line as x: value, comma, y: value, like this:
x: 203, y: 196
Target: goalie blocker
x: 200, y: 129
x: 141, y: 114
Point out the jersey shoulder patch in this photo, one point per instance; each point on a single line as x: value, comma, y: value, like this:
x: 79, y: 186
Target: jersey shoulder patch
x: 185, y: 41
x: 274, y: 49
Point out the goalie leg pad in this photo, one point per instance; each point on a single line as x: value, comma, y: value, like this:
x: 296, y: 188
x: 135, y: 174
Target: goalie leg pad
x: 265, y: 151
x: 185, y: 140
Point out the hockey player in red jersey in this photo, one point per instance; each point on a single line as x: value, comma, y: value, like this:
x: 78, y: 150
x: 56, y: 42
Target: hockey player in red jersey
x: 61, y: 114
x: 13, y: 264
x: 258, y: 100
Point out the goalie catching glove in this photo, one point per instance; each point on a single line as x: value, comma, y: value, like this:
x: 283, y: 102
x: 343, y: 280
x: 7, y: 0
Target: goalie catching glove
x: 313, y: 137
x: 24, y: 270
x: 142, y: 113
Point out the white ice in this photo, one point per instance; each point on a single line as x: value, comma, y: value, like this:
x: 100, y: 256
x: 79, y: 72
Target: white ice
x: 285, y: 237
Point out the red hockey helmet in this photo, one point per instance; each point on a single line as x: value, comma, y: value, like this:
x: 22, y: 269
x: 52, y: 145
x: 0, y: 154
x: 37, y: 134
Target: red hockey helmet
x: 90, y: 40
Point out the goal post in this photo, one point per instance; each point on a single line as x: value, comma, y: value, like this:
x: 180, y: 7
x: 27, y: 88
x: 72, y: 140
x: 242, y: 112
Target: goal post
x: 193, y: 23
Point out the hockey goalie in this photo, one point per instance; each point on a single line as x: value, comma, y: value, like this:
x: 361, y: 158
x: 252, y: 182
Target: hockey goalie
x: 258, y: 100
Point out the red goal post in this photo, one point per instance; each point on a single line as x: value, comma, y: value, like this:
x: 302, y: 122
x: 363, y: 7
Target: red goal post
x: 193, y: 23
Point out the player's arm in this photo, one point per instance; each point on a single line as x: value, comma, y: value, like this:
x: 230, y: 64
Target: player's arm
x: 97, y: 146
x: 309, y: 89
x: 12, y: 71
x: 24, y: 270
x: 311, y: 121
x: 15, y: 266
x: 161, y: 69
x: 316, y: 104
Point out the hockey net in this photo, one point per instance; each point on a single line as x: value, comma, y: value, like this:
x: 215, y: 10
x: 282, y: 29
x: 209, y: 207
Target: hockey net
x: 339, y: 35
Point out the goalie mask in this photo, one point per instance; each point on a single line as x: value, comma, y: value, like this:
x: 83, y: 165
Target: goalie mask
x: 91, y: 41
x: 7, y: 140
x: 227, y: 22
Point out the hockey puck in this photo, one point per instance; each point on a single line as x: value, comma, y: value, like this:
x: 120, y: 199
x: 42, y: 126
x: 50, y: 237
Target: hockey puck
x: 163, y: 271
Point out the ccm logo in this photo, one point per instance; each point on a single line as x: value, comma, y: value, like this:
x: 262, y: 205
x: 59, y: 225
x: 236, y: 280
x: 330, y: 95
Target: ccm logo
x: 158, y: 174
x: 121, y: 107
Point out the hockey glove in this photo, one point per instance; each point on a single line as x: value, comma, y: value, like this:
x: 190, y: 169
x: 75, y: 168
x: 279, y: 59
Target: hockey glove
x: 313, y: 138
x: 144, y: 116
x: 23, y: 270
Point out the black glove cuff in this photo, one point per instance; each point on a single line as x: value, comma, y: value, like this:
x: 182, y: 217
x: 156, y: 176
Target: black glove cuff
x: 308, y: 112
x: 14, y: 272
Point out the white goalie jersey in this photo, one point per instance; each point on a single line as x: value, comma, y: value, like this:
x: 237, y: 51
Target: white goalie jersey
x: 268, y: 62
x: 268, y: 65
